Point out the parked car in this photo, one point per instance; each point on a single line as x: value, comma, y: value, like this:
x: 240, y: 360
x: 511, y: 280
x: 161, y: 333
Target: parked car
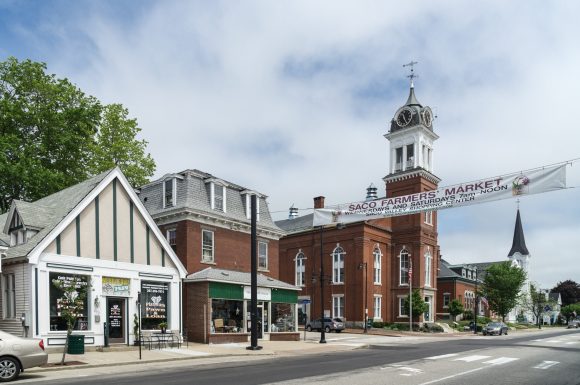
x: 573, y: 324
x: 330, y: 324
x: 498, y: 328
x: 17, y: 354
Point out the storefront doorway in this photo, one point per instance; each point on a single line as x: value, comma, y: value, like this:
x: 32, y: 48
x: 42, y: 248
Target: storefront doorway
x: 116, y: 318
x: 260, y: 320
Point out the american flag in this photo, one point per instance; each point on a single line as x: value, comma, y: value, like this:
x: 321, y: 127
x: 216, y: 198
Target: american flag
x: 410, y: 271
x: 484, y: 301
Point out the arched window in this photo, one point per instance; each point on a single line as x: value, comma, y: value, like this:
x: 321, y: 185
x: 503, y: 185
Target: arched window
x: 404, y: 267
x: 377, y: 266
x: 428, y: 262
x: 338, y: 265
x: 300, y: 269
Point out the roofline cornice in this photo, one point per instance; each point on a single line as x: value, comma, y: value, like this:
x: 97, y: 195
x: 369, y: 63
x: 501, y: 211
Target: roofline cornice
x: 421, y: 172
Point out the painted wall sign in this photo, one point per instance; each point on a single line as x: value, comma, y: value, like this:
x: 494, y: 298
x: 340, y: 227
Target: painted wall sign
x: 264, y: 293
x: 116, y: 286
x: 154, y: 297
x: 535, y: 181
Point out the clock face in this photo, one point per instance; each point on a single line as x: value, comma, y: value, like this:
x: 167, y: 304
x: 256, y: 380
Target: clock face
x: 404, y: 117
x: 427, y: 116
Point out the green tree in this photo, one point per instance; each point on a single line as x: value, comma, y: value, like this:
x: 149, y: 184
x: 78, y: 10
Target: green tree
x: 569, y: 290
x: 570, y: 311
x: 52, y: 135
x: 47, y: 128
x: 501, y: 286
x: 419, y: 306
x: 536, y: 302
x: 71, y: 304
x: 455, y: 308
x: 116, y: 145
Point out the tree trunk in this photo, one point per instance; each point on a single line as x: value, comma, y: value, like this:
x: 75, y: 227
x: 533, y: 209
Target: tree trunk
x: 68, y: 333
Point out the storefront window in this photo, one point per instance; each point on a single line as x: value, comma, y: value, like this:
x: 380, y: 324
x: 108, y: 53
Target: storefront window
x: 154, y: 304
x: 283, y: 317
x: 227, y: 316
x: 58, y: 300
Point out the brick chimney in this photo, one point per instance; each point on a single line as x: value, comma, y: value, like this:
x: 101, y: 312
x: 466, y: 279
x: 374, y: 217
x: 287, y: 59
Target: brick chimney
x: 319, y: 202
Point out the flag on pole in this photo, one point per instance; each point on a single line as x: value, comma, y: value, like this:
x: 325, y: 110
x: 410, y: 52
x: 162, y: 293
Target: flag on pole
x: 410, y: 271
x: 484, y: 301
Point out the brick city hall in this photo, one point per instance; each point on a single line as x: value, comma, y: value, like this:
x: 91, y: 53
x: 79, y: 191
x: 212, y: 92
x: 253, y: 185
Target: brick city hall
x: 366, y: 264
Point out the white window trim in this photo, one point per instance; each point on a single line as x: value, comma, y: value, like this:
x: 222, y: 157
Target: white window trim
x: 204, y: 260
x: 340, y: 254
x: 448, y: 295
x: 173, y: 193
x: 248, y: 200
x: 380, y: 265
x: 428, y: 267
x: 429, y: 218
x: 169, y: 239
x: 267, y: 261
x: 404, y: 250
x: 212, y: 188
x: 380, y: 309
x: 334, y: 298
x: 302, y: 273
x: 400, y: 302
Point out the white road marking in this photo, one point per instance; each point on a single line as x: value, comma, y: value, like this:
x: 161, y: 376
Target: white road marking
x: 471, y: 358
x: 501, y: 360
x: 571, y: 342
x: 453, y: 375
x: 554, y: 341
x: 442, y: 356
x: 546, y: 364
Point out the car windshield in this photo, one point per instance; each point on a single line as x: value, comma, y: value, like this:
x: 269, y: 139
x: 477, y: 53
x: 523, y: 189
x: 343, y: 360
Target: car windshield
x: 337, y: 320
x: 494, y: 325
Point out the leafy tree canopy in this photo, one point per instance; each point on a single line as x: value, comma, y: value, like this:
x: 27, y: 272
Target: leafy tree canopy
x: 455, y: 308
x: 501, y: 287
x: 52, y: 135
x: 569, y: 291
x: 418, y: 306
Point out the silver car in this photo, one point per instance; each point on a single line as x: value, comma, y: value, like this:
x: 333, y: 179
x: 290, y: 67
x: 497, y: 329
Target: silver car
x: 498, y: 328
x: 330, y: 324
x: 17, y: 354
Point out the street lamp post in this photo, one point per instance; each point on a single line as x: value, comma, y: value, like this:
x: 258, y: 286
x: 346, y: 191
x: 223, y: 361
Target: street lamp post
x: 363, y: 265
x: 476, y: 307
x: 322, y: 331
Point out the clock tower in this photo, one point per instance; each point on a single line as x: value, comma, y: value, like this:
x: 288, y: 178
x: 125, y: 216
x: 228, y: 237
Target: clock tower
x: 414, y: 237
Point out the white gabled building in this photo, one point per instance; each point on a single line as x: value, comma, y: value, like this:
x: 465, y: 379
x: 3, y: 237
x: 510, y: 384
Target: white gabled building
x: 97, y: 231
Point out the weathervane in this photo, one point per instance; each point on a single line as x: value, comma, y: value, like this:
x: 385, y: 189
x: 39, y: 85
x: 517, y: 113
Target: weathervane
x: 412, y: 75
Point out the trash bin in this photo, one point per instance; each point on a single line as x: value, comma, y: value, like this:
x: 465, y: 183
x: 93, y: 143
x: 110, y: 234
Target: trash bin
x: 76, y: 344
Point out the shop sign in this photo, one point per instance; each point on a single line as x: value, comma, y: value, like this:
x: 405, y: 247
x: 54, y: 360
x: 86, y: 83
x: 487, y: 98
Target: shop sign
x: 154, y: 297
x: 119, y: 287
x: 264, y: 293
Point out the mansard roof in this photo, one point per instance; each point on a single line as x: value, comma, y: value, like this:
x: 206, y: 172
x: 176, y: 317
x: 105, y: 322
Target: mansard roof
x: 193, y: 196
x: 519, y: 242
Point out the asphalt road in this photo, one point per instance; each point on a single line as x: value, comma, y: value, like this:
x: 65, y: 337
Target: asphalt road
x: 532, y: 358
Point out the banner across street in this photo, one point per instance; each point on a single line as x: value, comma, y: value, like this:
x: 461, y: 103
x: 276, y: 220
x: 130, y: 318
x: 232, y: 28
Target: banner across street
x: 520, y: 183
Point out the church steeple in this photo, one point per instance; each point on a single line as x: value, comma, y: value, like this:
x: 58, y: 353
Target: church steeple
x: 519, y: 242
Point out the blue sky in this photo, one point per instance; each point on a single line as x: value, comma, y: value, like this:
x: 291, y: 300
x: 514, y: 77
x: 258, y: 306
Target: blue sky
x: 292, y: 98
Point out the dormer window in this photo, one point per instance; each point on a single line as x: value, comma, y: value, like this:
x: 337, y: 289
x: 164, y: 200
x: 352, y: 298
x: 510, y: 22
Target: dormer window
x: 18, y: 234
x: 248, y: 203
x: 218, y: 196
x: 463, y: 273
x: 169, y: 192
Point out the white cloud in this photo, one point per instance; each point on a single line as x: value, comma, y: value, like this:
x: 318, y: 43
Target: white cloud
x: 292, y: 99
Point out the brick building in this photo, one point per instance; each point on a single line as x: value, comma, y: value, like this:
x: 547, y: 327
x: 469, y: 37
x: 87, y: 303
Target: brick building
x: 367, y: 263
x: 207, y: 222
x: 457, y: 282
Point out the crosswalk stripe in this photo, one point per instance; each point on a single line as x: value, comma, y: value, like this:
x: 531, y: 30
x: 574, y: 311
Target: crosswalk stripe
x: 471, y: 358
x: 554, y: 341
x: 442, y: 356
x: 546, y: 364
x: 571, y: 342
x: 501, y: 360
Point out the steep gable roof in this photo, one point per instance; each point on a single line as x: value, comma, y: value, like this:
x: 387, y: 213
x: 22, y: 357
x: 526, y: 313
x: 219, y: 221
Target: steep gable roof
x: 46, y: 213
x: 236, y: 277
x: 519, y: 242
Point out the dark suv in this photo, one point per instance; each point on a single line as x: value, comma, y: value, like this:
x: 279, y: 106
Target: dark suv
x: 330, y: 324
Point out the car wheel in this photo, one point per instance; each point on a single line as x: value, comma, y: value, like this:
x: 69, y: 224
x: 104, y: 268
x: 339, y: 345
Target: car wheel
x: 9, y: 369
x: 327, y: 329
x: 338, y: 331
x: 506, y: 332
x: 500, y: 332
x: 309, y: 328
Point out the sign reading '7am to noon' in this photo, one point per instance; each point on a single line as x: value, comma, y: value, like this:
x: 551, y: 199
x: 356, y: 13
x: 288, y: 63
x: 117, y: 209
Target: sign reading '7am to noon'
x: 535, y: 181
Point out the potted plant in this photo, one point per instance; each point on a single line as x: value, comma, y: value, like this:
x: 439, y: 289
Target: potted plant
x: 163, y: 326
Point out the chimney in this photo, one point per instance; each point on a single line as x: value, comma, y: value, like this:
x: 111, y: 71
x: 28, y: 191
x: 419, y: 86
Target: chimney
x: 371, y: 193
x: 319, y: 202
x: 293, y: 213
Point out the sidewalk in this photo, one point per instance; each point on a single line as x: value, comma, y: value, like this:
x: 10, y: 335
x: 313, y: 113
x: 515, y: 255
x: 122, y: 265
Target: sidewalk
x: 129, y: 355
x: 350, y: 339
